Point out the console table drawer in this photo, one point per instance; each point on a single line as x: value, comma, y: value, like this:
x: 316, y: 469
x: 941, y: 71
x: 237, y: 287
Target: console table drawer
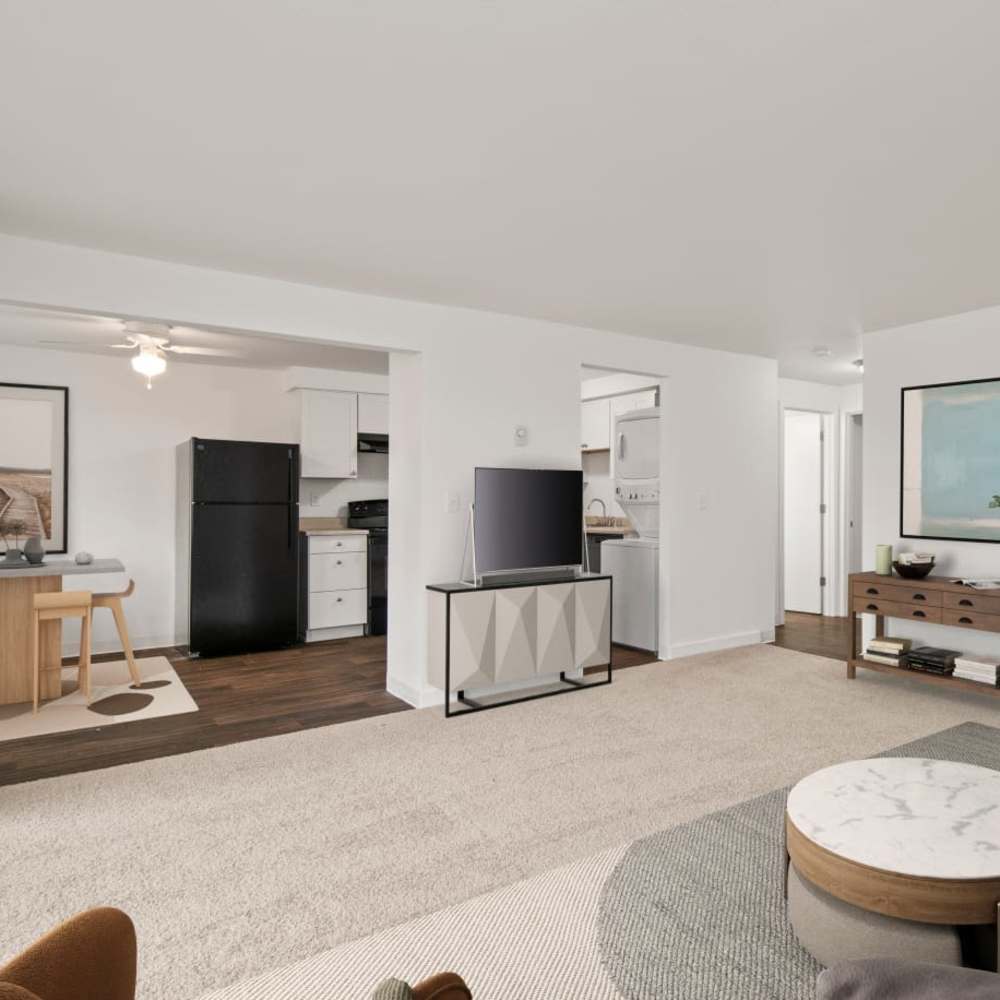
x: 971, y: 619
x: 896, y: 609
x: 900, y: 594
x: 972, y: 602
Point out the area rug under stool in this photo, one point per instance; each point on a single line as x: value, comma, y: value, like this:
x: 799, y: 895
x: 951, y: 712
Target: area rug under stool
x: 114, y: 699
x: 694, y: 912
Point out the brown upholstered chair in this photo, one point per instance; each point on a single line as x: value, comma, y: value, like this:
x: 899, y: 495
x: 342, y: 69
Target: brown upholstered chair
x: 91, y: 956
x: 443, y: 986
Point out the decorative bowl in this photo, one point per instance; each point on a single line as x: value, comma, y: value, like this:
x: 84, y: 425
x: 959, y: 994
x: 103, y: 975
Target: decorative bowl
x: 913, y: 571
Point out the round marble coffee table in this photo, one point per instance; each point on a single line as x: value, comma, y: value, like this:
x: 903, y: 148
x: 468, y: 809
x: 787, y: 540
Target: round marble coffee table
x: 912, y: 839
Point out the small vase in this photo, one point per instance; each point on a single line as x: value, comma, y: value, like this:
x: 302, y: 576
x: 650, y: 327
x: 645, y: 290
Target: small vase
x: 13, y: 556
x: 34, y: 550
x: 883, y: 560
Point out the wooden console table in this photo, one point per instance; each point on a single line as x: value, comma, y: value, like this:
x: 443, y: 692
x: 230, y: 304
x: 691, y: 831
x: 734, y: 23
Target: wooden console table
x: 936, y: 600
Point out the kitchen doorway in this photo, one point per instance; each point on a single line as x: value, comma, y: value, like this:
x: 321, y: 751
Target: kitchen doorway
x: 620, y: 448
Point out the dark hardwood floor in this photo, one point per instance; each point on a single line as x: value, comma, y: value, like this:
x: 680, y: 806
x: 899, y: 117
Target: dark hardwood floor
x: 239, y: 698
x: 822, y: 636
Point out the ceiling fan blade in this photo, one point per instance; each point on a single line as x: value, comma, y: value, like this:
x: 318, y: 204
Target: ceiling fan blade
x: 122, y: 347
x: 208, y: 352
x: 65, y: 343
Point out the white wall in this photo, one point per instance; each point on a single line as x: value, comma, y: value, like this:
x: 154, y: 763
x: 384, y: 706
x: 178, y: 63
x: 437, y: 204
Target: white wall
x: 122, y: 466
x: 329, y: 497
x: 479, y: 375
x: 952, y: 349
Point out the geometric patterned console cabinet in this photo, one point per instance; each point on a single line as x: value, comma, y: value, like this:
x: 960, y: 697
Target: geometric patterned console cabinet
x: 501, y: 633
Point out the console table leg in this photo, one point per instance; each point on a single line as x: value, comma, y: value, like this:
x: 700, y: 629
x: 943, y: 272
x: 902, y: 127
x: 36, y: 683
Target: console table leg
x: 879, y: 626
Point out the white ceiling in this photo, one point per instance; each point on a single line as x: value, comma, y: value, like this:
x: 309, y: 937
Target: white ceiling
x: 87, y: 334
x: 761, y: 175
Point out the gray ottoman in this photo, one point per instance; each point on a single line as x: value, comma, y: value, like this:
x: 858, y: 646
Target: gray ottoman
x: 833, y: 931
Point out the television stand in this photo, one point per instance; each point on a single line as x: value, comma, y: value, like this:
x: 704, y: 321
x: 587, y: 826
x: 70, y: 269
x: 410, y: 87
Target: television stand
x: 511, y: 639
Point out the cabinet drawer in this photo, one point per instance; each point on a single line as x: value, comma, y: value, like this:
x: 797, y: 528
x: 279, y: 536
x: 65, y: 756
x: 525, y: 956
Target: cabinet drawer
x: 895, y: 609
x: 338, y: 571
x: 971, y: 619
x: 337, y: 543
x: 899, y: 593
x: 338, y: 607
x: 972, y: 602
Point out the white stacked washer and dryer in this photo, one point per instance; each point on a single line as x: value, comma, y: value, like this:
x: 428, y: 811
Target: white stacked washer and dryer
x: 633, y: 563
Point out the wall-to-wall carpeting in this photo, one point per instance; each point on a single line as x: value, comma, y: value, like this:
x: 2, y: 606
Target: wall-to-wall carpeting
x: 237, y: 860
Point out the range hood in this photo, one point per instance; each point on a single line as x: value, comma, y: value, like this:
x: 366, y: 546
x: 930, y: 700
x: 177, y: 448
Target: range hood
x: 373, y: 444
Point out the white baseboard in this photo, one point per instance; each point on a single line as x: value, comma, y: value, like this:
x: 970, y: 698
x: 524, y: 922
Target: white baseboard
x: 417, y: 697
x: 717, y: 643
x: 337, y: 632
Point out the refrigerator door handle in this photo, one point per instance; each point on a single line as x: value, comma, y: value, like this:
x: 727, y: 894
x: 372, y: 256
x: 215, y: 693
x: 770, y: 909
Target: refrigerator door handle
x: 291, y: 475
x: 291, y: 526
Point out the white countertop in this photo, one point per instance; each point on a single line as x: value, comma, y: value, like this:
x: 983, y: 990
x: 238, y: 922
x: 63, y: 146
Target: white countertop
x: 64, y: 567
x: 335, y: 531
x: 927, y: 818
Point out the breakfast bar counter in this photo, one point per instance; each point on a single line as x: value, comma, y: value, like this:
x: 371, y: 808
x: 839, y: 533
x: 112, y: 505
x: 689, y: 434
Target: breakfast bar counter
x: 17, y: 590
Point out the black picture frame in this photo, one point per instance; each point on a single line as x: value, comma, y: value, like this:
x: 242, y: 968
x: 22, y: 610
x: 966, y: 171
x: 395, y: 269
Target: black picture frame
x: 64, y: 520
x: 902, y: 460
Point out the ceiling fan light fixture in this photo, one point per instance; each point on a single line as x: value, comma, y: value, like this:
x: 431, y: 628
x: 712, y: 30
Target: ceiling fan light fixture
x: 149, y: 362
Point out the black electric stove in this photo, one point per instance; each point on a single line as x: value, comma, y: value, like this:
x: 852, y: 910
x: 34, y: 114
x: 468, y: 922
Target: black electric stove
x: 373, y: 516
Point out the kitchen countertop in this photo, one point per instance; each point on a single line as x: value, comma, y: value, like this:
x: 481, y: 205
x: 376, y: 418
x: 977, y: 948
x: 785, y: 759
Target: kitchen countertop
x: 328, y: 526
x: 335, y: 531
x: 64, y: 567
x: 608, y: 530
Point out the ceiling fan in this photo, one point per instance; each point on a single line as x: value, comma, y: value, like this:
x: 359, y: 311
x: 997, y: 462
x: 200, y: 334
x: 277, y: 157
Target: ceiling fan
x: 151, y: 343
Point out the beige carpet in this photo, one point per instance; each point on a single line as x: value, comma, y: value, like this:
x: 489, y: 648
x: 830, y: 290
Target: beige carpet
x: 113, y: 699
x: 236, y: 860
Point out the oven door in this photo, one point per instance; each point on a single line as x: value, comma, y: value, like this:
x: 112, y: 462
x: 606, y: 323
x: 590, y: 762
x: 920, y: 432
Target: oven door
x: 378, y: 584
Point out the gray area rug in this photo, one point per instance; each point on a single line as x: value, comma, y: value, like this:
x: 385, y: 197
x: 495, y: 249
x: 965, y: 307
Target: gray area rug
x: 698, y: 911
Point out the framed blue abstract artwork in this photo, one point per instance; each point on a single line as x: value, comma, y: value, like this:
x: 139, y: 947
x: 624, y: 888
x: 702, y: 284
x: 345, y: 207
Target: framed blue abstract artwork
x: 950, y: 461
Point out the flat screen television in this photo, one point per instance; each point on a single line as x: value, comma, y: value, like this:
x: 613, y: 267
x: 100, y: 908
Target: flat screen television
x: 528, y: 519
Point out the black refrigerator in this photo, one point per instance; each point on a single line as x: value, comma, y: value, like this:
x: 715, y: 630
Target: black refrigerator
x: 238, y: 546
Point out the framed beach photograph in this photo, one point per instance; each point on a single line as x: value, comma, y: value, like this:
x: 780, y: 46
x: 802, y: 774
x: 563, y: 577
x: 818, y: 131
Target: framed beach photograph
x: 34, y: 426
x: 950, y: 461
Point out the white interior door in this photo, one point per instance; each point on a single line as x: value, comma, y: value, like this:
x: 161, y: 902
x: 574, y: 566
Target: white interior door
x: 803, y: 496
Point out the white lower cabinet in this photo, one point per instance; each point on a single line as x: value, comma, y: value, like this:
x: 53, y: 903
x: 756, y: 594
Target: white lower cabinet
x: 338, y: 586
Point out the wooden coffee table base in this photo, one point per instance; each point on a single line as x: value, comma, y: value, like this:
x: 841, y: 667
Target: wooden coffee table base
x: 952, y: 902
x: 927, y: 900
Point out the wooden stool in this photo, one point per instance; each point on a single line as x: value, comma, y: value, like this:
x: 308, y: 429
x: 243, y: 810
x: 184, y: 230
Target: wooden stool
x: 57, y: 605
x: 114, y: 602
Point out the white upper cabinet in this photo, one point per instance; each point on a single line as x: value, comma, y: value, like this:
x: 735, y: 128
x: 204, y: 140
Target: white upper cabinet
x: 595, y: 424
x: 373, y: 413
x: 328, y: 434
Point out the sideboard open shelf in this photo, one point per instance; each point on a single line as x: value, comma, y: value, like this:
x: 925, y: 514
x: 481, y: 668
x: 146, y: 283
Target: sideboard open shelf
x: 936, y: 600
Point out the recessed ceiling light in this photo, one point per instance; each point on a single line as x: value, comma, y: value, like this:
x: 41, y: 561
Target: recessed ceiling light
x: 822, y: 352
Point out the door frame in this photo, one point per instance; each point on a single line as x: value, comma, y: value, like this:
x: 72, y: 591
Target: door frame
x: 847, y: 483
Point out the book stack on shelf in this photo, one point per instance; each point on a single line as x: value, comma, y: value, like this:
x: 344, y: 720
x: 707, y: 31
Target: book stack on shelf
x: 890, y: 651
x: 932, y: 660
x: 983, y: 669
